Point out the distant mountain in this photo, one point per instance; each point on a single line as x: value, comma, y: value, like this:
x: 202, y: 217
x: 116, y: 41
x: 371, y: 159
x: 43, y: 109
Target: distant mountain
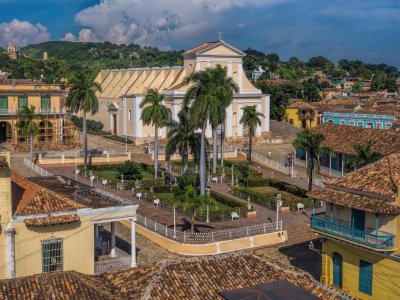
x: 104, y: 55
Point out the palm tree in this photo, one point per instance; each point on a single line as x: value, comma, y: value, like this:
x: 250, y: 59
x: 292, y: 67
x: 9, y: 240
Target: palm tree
x: 225, y: 88
x: 311, y: 143
x: 155, y: 113
x: 26, y: 123
x: 203, y: 96
x: 192, y: 202
x: 82, y: 98
x: 243, y: 171
x: 363, y: 157
x: 251, y: 118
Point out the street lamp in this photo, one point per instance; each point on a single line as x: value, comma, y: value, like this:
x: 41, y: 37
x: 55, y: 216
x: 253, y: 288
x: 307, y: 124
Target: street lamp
x: 248, y: 203
x: 174, y: 221
x: 278, y: 205
x: 293, y: 157
x: 208, y: 206
x: 232, y: 176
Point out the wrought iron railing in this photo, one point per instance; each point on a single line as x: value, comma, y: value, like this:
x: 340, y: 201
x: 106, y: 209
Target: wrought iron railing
x: 368, y: 237
x: 210, y: 236
x: 44, y: 111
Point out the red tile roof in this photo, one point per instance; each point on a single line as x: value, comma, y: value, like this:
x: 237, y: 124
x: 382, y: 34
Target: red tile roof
x: 194, y: 278
x: 52, y: 220
x: 300, y: 104
x: 202, y: 47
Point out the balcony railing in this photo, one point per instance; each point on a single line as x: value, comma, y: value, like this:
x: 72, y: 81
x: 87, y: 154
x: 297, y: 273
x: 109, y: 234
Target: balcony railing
x: 369, y: 237
x: 43, y: 111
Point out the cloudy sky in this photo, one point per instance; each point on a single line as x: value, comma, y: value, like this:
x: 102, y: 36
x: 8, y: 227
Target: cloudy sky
x: 355, y: 29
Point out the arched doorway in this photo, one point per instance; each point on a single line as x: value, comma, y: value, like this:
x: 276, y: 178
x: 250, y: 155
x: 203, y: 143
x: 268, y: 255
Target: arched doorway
x: 337, y: 269
x: 5, y: 131
x: 45, y: 131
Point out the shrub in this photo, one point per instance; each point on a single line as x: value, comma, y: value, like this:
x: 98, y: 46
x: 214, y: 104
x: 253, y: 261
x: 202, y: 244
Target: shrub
x: 281, y: 185
x: 227, y: 200
x: 94, y: 126
x: 131, y: 170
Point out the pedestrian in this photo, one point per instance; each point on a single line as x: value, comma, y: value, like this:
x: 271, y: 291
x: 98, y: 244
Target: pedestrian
x: 269, y: 154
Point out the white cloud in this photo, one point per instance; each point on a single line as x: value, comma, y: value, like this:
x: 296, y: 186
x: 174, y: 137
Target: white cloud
x: 69, y: 37
x: 87, y: 35
x: 22, y: 33
x: 154, y: 22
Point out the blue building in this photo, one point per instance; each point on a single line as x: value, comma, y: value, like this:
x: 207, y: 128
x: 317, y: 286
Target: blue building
x: 362, y: 119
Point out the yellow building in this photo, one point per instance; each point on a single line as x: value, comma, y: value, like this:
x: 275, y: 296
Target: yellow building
x: 361, y: 229
x: 55, y: 131
x: 50, y: 224
x: 123, y: 91
x: 301, y: 114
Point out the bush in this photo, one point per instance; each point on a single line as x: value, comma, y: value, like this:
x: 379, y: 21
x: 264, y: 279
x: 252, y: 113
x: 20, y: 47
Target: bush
x: 131, y: 170
x: 227, y: 200
x: 94, y: 126
x: 280, y: 185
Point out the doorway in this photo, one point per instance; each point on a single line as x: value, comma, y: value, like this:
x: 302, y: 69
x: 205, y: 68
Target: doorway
x: 115, y: 123
x: 337, y: 269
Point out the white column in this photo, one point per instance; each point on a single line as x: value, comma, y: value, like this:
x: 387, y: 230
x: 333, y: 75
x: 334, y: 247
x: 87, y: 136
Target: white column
x: 209, y: 64
x: 124, y: 114
x: 239, y: 116
x: 240, y: 77
x: 267, y: 109
x: 175, y: 110
x: 133, y: 244
x: 228, y: 127
x: 258, y: 128
x: 138, y: 112
x: 198, y: 66
x: 230, y: 73
x: 208, y: 130
x: 10, y: 251
x: 112, y: 252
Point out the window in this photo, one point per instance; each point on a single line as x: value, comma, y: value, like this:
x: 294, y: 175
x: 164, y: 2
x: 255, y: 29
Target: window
x: 45, y: 104
x: 379, y: 125
x: 342, y: 122
x: 370, y: 125
x: 3, y: 103
x: 291, y: 121
x: 330, y: 121
x: 365, y: 277
x: 52, y: 255
x: 360, y: 124
x: 129, y: 114
x: 352, y: 123
x: 22, y: 101
x: 388, y: 126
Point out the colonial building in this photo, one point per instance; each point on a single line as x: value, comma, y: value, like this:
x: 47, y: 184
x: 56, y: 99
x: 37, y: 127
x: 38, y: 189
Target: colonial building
x: 123, y: 91
x: 302, y: 114
x: 55, y: 131
x: 360, y: 230
x: 50, y: 224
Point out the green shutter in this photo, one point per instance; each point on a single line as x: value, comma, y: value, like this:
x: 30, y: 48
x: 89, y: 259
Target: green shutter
x: 3, y: 103
x: 46, y: 257
x: 45, y: 104
x: 365, y: 277
x: 22, y: 101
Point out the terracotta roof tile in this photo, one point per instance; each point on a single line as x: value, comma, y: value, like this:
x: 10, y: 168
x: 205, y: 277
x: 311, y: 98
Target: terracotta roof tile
x: 202, y: 47
x: 194, y: 278
x: 300, y: 104
x: 52, y: 220
x: 343, y: 139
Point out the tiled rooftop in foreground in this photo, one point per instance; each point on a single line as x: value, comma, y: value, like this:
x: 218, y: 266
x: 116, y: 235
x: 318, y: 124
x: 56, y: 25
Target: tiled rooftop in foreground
x: 193, y: 278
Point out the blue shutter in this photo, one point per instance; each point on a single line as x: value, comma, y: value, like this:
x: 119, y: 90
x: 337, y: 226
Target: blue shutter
x: 365, y: 277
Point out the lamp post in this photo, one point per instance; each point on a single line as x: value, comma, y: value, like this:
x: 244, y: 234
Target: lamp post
x: 126, y: 144
x: 248, y: 203
x: 278, y: 205
x: 293, y: 157
x: 174, y: 221
x: 208, y: 206
x: 232, y: 176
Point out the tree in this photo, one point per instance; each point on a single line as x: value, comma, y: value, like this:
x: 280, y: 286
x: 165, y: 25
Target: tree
x: 251, y: 118
x: 192, y: 202
x: 82, y: 98
x: 155, y: 113
x: 378, y: 81
x: 204, y: 100
x: 311, y: 143
x: 26, y: 123
x: 181, y: 135
x: 363, y: 157
x: 310, y: 90
x: 130, y: 170
x: 357, y: 88
x: 391, y: 85
x: 243, y: 171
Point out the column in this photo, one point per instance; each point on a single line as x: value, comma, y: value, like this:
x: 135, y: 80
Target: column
x: 258, y: 128
x: 208, y: 130
x: 138, y: 113
x: 111, y: 123
x: 175, y: 111
x: 112, y: 252
x: 239, y: 116
x: 198, y: 67
x: 229, y: 116
x: 124, y: 113
x: 267, y: 111
x: 10, y: 251
x: 240, y: 77
x: 230, y: 73
x: 133, y: 244
x: 209, y: 64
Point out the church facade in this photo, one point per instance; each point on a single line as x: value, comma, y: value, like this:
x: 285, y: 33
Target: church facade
x: 123, y: 90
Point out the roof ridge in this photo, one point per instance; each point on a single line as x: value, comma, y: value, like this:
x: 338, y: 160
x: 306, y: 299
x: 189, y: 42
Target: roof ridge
x: 147, y: 294
x: 395, y: 184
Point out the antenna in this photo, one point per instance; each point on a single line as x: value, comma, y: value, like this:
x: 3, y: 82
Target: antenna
x: 220, y: 35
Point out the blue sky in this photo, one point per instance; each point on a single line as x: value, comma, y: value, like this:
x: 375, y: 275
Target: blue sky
x: 368, y: 30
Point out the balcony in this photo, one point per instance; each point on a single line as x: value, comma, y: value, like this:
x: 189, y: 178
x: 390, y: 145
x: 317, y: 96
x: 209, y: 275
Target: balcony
x: 42, y: 111
x: 369, y: 238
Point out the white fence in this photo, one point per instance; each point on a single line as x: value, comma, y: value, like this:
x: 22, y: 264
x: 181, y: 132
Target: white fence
x: 34, y: 167
x: 208, y: 237
x: 323, y: 170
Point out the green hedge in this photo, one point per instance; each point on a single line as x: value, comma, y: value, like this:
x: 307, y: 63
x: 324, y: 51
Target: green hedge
x: 92, y: 125
x: 228, y: 200
x: 280, y: 185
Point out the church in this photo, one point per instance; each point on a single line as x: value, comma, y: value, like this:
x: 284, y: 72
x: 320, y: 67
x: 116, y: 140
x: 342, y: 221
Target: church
x: 124, y: 89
